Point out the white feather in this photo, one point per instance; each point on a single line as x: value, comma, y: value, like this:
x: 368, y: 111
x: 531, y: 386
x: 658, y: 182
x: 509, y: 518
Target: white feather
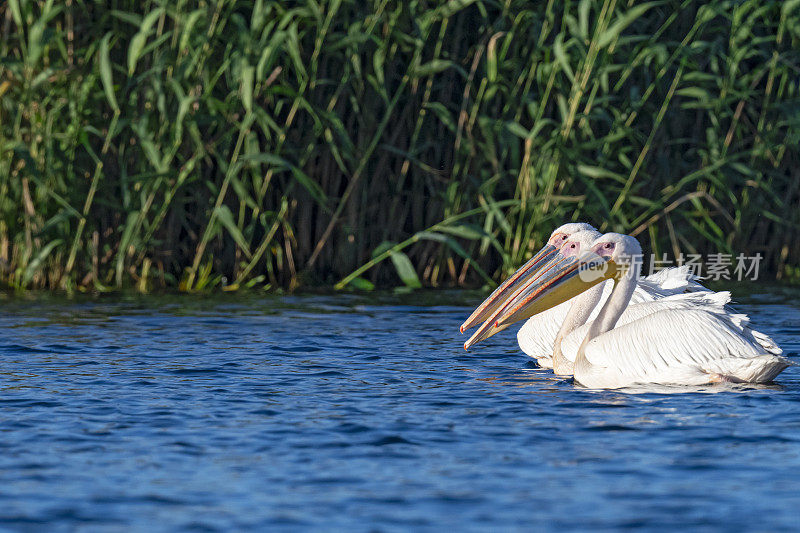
x: 712, y: 301
x: 679, y: 345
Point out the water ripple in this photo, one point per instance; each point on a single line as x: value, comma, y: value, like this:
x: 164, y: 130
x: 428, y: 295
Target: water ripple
x: 347, y: 413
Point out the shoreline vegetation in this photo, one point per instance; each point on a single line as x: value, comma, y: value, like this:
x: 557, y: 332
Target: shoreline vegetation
x: 194, y: 145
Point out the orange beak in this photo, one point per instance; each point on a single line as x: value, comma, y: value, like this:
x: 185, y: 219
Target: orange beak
x: 490, y: 326
x: 561, y: 283
x: 500, y: 295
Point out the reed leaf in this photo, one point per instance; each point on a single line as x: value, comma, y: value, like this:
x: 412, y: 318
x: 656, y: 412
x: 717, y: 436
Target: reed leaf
x: 179, y: 145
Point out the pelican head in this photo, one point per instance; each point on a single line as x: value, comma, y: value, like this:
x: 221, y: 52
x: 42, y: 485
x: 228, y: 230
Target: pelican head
x: 579, y: 242
x: 565, y: 247
x: 528, y: 271
x: 569, y: 230
x: 610, y: 256
x: 622, y: 251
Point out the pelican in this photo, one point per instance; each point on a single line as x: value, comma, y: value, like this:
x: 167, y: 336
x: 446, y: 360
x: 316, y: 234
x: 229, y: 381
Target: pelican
x: 672, y: 345
x: 666, y: 288
x: 540, y: 333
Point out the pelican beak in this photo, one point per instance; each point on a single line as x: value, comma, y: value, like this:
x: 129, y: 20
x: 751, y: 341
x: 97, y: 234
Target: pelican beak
x: 509, y: 286
x: 490, y: 326
x: 570, y: 278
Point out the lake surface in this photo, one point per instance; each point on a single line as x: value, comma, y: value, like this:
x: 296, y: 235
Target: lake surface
x: 364, y: 413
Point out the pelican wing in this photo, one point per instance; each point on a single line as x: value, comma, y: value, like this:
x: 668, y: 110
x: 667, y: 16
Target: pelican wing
x: 675, y: 342
x: 712, y: 301
x: 672, y: 280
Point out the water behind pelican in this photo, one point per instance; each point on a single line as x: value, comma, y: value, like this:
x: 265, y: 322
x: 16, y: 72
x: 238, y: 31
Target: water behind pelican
x: 364, y: 413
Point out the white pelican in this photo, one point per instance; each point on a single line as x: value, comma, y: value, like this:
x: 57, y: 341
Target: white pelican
x: 538, y: 336
x: 541, y: 334
x: 683, y: 345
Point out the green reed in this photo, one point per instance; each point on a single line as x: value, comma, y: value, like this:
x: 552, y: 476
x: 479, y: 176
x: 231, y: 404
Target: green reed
x: 224, y: 143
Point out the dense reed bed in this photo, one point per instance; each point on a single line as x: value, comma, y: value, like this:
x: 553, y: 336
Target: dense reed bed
x: 235, y: 143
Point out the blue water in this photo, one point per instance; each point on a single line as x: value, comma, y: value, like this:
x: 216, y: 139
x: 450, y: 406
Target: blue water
x: 363, y: 413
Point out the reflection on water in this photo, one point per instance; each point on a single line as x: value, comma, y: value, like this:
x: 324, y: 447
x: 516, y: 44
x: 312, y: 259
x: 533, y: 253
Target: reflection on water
x: 540, y: 376
x: 357, y: 413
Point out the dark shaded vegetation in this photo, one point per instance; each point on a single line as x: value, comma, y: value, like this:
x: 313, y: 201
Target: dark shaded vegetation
x: 195, y: 144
